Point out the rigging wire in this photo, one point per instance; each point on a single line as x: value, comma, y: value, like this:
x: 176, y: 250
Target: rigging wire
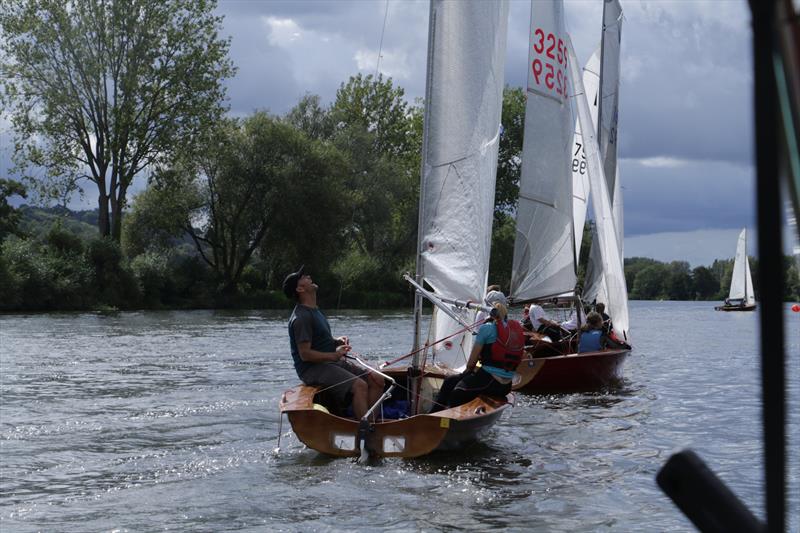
x: 380, y: 46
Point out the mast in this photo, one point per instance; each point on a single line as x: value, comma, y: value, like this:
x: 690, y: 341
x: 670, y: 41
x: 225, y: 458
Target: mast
x: 423, y: 160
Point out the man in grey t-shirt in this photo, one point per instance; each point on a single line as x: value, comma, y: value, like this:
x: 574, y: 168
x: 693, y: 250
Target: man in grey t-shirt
x: 318, y: 357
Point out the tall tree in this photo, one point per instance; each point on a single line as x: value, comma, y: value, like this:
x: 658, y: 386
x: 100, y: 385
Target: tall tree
x: 102, y: 89
x: 382, y: 136
x: 262, y: 184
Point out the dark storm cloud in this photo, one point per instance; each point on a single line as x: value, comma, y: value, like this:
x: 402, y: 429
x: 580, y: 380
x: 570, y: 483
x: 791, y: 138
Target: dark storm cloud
x: 686, y: 195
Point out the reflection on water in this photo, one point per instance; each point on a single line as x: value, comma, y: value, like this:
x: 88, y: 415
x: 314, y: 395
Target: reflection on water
x: 142, y: 421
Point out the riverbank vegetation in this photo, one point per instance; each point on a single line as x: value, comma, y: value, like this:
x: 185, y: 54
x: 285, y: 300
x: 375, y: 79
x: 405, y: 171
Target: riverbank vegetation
x: 231, y: 205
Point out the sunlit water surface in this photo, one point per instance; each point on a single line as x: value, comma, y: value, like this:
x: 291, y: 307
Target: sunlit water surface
x: 169, y: 421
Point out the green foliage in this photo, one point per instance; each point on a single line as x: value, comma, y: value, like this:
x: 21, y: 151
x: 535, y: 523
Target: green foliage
x: 509, y: 157
x: 101, y: 89
x: 160, y: 215
x: 9, y: 216
x: 706, y: 286
x: 649, y: 283
x: 47, y: 276
x: 503, y: 233
x: 113, y: 283
x: 678, y: 283
x: 36, y: 222
x: 151, y: 272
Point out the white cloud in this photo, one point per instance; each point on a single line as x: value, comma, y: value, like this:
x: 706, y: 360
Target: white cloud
x: 282, y: 32
x: 663, y: 162
x: 394, y: 64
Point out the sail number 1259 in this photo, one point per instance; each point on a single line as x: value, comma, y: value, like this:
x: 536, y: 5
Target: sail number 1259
x: 550, y: 67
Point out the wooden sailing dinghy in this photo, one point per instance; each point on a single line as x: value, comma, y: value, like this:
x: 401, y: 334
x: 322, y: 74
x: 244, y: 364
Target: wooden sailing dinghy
x: 414, y: 436
x: 552, y: 206
x: 464, y: 93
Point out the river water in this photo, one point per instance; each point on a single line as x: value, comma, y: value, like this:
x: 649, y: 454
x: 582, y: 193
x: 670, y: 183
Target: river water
x: 157, y: 421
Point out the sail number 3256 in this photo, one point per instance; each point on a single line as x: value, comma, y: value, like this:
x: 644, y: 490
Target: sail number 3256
x: 550, y: 68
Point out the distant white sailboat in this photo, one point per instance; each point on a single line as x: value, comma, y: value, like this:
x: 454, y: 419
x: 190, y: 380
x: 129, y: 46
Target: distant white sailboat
x: 741, y: 296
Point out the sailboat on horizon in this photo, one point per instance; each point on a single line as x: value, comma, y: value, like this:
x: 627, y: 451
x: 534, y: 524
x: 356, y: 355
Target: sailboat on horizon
x: 741, y: 296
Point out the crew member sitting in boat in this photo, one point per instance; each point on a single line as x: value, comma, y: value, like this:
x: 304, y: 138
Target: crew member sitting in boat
x: 538, y: 320
x: 607, y: 324
x: 499, y: 347
x: 592, y: 338
x: 493, y: 295
x: 319, y: 358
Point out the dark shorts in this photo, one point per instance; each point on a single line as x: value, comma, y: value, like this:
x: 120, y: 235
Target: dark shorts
x: 335, y: 378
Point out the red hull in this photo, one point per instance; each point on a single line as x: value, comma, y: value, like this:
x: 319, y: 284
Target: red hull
x: 570, y: 373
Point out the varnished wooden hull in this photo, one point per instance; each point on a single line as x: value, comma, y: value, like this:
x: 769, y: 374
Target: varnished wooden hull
x: 573, y: 372
x: 409, y: 437
x: 735, y: 307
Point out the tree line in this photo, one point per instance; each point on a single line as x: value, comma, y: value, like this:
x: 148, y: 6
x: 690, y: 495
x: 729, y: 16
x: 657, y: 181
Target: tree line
x: 98, y: 94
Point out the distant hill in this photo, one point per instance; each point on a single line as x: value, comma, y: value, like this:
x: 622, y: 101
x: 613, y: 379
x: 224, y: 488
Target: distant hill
x: 37, y: 221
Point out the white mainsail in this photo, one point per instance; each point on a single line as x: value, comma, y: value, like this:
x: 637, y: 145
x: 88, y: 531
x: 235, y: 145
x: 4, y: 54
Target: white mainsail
x: 580, y: 179
x: 741, y: 280
x: 606, y: 237
x: 463, y: 105
x: 544, y: 253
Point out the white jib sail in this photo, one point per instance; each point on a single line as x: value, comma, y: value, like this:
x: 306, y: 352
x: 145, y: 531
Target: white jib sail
x: 544, y: 253
x: 580, y: 179
x: 596, y: 286
x: 741, y: 280
x: 462, y: 131
x: 606, y: 237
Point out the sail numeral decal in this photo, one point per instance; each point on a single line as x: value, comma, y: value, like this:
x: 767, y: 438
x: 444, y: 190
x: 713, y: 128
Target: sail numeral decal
x: 549, y: 70
x: 579, y: 159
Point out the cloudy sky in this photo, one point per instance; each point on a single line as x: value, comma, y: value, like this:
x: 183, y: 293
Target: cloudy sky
x: 685, y: 100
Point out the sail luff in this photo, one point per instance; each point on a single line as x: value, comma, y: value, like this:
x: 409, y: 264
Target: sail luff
x: 613, y: 274
x: 544, y: 252
x: 463, y: 110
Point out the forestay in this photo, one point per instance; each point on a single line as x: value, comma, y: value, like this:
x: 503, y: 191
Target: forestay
x: 544, y: 253
x: 617, y: 302
x: 741, y: 280
x: 463, y: 107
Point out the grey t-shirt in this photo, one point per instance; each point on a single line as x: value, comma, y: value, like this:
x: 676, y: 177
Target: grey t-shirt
x: 309, y: 324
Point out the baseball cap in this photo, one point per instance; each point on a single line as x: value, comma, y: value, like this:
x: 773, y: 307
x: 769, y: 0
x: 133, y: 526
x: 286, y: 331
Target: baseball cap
x: 290, y: 282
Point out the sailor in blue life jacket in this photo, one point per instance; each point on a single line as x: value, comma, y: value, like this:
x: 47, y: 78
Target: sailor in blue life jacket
x: 592, y: 337
x: 499, y: 346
